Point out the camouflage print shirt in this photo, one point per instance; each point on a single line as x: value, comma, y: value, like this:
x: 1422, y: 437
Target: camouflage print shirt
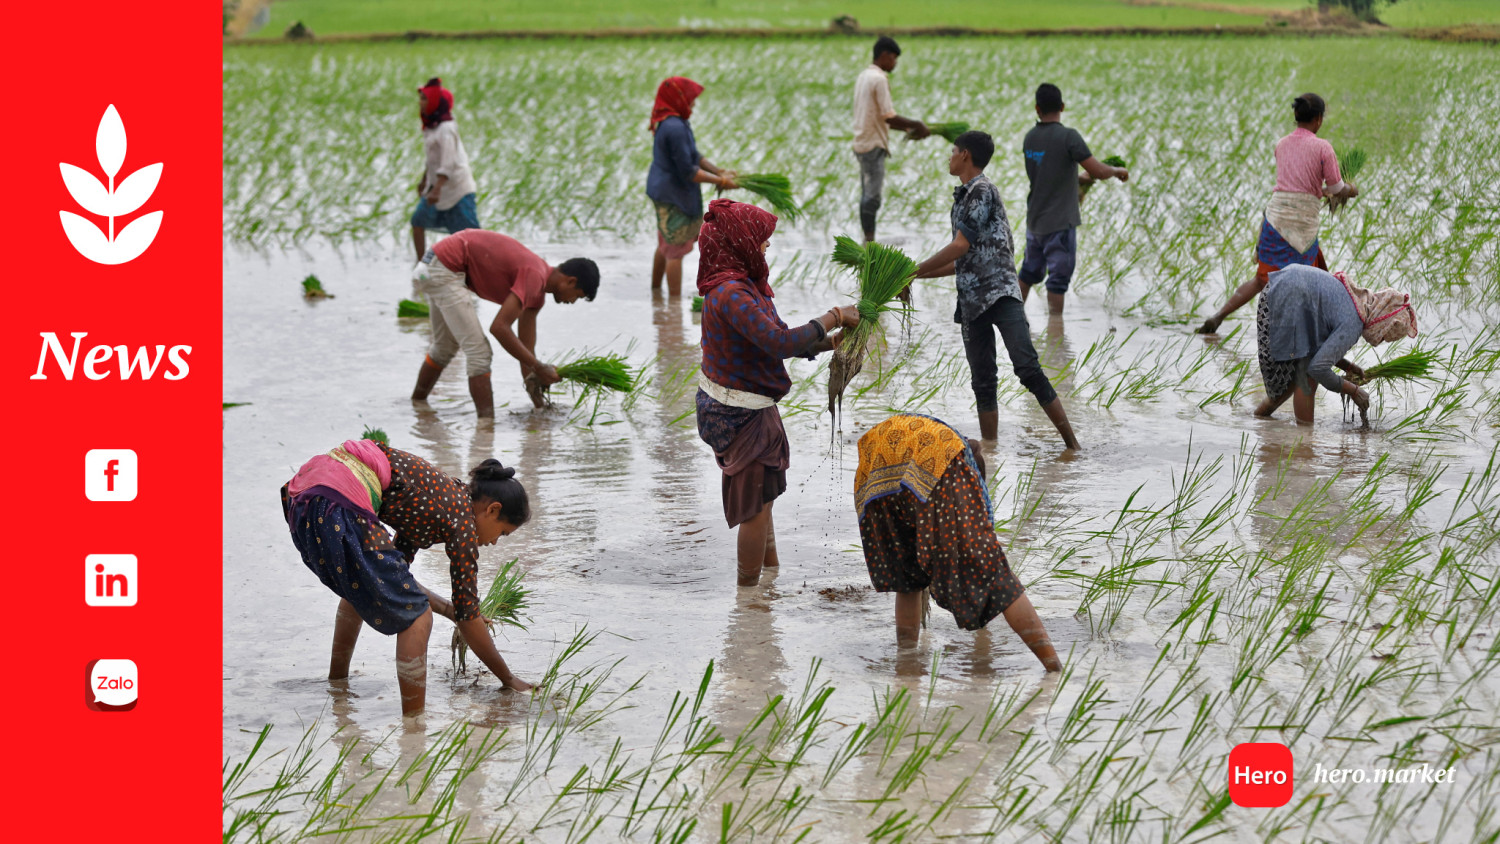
x: 987, y: 271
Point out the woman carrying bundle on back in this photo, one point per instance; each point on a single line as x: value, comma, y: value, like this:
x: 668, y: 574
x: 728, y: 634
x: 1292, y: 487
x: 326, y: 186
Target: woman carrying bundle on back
x: 1307, y: 320
x: 926, y: 524
x: 744, y: 344
x: 672, y: 183
x: 1307, y: 170
x: 334, y: 506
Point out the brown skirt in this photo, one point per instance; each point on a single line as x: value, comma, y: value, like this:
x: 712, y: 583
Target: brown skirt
x: 755, y: 459
x: 947, y: 545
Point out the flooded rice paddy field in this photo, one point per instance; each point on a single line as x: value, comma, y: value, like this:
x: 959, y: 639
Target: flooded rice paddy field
x: 1210, y: 578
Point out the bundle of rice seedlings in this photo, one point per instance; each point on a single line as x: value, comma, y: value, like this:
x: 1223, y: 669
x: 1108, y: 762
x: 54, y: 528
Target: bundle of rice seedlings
x: 502, y: 604
x: 1412, y: 366
x: 848, y: 252
x: 375, y: 434
x: 883, y: 274
x: 1351, y: 161
x: 947, y: 131
x: 407, y: 309
x: 697, y: 304
x: 312, y: 288
x: 608, y: 372
x: 777, y: 189
x: 1085, y: 187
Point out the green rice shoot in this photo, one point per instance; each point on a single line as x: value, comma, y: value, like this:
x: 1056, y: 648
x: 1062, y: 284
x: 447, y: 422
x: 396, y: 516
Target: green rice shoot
x: 502, y: 604
x: 407, y: 309
x: 885, y: 272
x: 376, y: 434
x: 777, y: 189
x: 948, y: 131
x: 230, y: 404
x: 1412, y: 366
x: 312, y: 288
x: 697, y: 304
x: 603, y: 372
x: 1116, y: 161
x: 848, y: 252
x: 1351, y: 161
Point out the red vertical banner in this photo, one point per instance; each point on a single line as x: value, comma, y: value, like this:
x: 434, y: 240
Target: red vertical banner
x: 113, y: 420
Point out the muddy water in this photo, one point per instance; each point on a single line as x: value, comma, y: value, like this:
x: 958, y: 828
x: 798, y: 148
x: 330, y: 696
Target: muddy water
x: 628, y: 538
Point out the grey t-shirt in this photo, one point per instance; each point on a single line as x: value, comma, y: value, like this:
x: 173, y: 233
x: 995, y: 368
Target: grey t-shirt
x: 1052, y: 154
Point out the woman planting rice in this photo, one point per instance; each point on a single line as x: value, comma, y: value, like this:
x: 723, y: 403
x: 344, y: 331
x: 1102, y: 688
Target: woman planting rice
x: 1308, y: 319
x: 676, y: 171
x: 334, y: 506
x: 1307, y: 170
x: 744, y: 343
x: 925, y: 523
x: 446, y: 191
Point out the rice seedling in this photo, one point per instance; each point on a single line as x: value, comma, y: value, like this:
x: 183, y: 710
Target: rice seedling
x: 502, y: 604
x: 407, y: 309
x: 230, y: 404
x: 848, y: 252
x: 885, y: 272
x: 376, y: 434
x: 697, y: 304
x: 600, y: 372
x: 1116, y: 161
x: 947, y: 131
x: 312, y: 288
x: 777, y: 189
x: 1412, y: 366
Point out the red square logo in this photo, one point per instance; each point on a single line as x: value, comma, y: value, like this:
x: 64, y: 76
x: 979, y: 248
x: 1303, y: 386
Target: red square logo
x: 1260, y: 774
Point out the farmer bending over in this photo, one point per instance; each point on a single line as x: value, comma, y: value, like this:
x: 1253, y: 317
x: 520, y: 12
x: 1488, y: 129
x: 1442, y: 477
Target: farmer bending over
x: 926, y: 524
x: 1307, y: 321
x: 989, y: 295
x: 335, y: 505
x: 498, y: 269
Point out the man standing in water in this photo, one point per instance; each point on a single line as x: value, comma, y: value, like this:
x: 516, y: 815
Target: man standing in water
x: 446, y: 192
x: 874, y: 116
x: 989, y: 295
x: 498, y: 269
x: 1054, y: 153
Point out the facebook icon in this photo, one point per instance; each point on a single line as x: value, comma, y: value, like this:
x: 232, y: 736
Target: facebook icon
x: 109, y: 474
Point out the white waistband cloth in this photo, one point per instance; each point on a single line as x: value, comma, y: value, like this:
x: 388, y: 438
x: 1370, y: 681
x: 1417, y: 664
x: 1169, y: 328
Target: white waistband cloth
x: 1295, y: 217
x: 732, y: 397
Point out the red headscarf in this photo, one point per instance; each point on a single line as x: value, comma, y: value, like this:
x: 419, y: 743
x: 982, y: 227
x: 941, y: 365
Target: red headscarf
x: 674, y: 96
x: 437, y: 103
x: 729, y: 246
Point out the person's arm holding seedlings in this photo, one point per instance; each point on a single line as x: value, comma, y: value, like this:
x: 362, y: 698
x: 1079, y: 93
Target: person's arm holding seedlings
x: 1095, y: 170
x: 463, y: 564
x: 1320, y: 368
x: 709, y: 174
x: 516, y: 346
x: 754, y: 320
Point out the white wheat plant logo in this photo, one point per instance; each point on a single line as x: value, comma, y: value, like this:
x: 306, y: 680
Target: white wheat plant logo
x: 110, y: 201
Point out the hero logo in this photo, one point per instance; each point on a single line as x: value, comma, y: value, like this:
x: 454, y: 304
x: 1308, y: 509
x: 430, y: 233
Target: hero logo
x: 109, y: 201
x: 96, y: 361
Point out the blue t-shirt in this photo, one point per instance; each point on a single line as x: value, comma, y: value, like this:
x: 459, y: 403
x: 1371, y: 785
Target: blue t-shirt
x: 674, y: 160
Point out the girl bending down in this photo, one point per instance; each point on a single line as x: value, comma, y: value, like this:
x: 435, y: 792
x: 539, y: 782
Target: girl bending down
x: 335, y: 506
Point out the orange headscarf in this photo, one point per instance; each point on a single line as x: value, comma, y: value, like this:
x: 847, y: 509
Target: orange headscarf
x: 674, y: 96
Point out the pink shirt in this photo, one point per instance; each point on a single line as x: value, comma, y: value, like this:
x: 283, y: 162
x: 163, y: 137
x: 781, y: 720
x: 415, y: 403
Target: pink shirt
x: 495, y: 266
x: 1305, y: 163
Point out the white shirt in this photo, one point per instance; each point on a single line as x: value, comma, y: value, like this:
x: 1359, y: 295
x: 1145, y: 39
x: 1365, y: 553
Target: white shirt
x: 446, y: 157
x: 872, y: 105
